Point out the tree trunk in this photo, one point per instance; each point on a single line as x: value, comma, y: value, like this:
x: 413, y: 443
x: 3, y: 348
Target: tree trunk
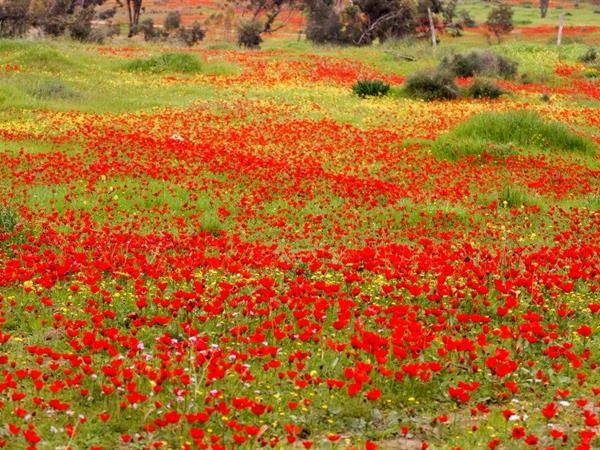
x: 432, y: 27
x: 544, y: 7
x: 134, y: 8
x: 561, y: 22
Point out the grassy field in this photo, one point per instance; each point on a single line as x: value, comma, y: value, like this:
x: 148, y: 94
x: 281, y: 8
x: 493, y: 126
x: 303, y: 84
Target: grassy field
x: 219, y: 248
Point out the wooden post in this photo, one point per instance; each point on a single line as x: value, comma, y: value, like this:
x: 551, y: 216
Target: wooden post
x: 561, y: 22
x: 432, y: 27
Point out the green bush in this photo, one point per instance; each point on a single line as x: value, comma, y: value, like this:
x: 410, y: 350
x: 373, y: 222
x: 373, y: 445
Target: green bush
x: 500, y: 20
x: 503, y: 133
x: 434, y: 85
x: 484, y: 89
x: 371, y: 88
x: 248, y: 34
x: 167, y: 62
x: 590, y: 56
x: 479, y: 63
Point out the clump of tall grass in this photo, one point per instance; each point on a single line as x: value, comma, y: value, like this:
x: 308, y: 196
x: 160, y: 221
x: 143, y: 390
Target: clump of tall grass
x: 9, y: 219
x: 166, y: 62
x: 503, y: 133
x: 371, y: 88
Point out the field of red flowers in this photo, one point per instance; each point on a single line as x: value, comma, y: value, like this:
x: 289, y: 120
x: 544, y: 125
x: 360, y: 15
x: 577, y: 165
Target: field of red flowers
x: 284, y: 265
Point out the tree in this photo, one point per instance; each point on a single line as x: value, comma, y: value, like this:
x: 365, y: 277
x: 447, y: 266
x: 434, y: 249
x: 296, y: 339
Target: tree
x: 269, y: 9
x: 56, y: 17
x: 172, y: 21
x: 80, y: 27
x: 14, y: 18
x: 386, y: 19
x: 360, y: 22
x: 544, y: 7
x: 323, y: 22
x: 499, y: 21
x: 249, y: 34
x: 134, y: 9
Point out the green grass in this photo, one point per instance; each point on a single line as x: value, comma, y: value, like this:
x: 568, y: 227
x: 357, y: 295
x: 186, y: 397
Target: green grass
x: 509, y: 132
x: 8, y: 219
x: 166, y: 63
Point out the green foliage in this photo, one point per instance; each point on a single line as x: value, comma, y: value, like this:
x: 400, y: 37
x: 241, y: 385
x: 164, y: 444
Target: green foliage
x: 386, y: 19
x: 500, y: 20
x: 590, y: 56
x: 502, y: 133
x: 44, y: 59
x: 479, y: 63
x: 466, y: 19
x: 371, y: 88
x: 432, y: 85
x: 248, y: 34
x: 361, y: 22
x: 511, y: 197
x: 8, y: 219
x: 166, y: 62
x: 324, y: 25
x: 481, y: 88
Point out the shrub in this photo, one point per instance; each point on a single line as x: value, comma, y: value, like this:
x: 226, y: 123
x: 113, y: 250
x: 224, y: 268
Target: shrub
x: 248, y: 34
x: 172, y: 21
x: 500, y: 20
x: 96, y: 36
x: 466, y: 19
x: 14, y: 18
x: 435, y: 85
x: 590, y: 56
x: 484, y: 89
x: 80, y: 28
x: 51, y: 89
x: 371, y: 88
x: 192, y: 36
x: 501, y: 133
x: 147, y: 28
x: 107, y: 14
x: 323, y: 24
x: 479, y: 63
x: 114, y: 29
x: 167, y: 62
